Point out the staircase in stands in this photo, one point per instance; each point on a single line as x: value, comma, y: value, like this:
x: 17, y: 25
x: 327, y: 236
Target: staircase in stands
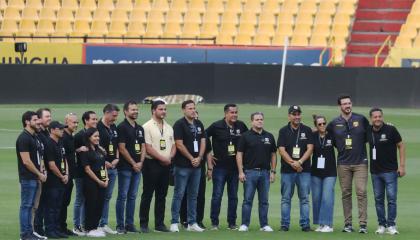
x: 375, y: 20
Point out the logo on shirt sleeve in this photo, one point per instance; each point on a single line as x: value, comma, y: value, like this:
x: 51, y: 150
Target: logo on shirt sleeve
x: 383, y: 138
x: 303, y: 136
x: 140, y: 133
x: 329, y: 143
x: 267, y: 141
x: 355, y: 124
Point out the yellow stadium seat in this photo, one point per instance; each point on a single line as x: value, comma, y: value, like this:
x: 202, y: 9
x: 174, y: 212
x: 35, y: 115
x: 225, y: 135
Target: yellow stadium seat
x: 215, y: 6
x: 136, y: 28
x: 247, y: 29
x: 408, y: 31
x: 99, y: 28
x: 209, y: 30
x: 88, y: 4
x: 252, y: 6
x: 339, y: 42
x: 24, y: 36
x: 118, y: 28
x: 174, y: 16
x: 193, y: 17
x: 263, y: 40
x: 343, y: 19
x: 212, y: 17
x: 346, y: 7
x: 308, y: 8
x: 416, y: 43
x: 403, y: 42
x: 228, y: 28
x: 106, y: 4
x: 143, y: 5
x: 154, y: 29
x: 266, y: 29
x: 119, y: 15
x: 230, y: 17
x: 323, y: 18
x: 3, y: 5
x: 279, y: 39
x: 19, y: 4
x: 45, y: 26
x: 156, y: 16
x: 126, y: 5
x: 338, y: 56
x: 134, y: 41
x: 318, y: 41
x: 52, y: 4
x: 179, y: 5
x: 224, y: 39
x: 303, y: 30
x: 114, y: 38
x: 63, y: 27
x: 102, y: 14
x: 12, y: 13
x: 413, y: 19
x: 299, y: 40
x: 234, y: 6
x: 81, y: 27
x: 339, y: 30
x: 138, y: 15
x: 290, y: 6
x: 286, y: 18
x: 76, y: 37
x: 267, y: 17
x: 303, y: 18
x: 47, y: 14
x: 59, y: 39
x: 327, y: 7
x: 70, y: 4
x: 27, y: 26
x: 172, y: 29
x: 284, y: 29
x: 321, y: 30
x: 271, y: 6
x: 65, y: 14
x: 244, y: 39
x: 197, y: 6
x: 249, y: 17
x: 161, y: 5
x: 8, y: 27
x: 37, y: 4
x: 44, y: 37
x: 84, y: 14
x: 191, y: 29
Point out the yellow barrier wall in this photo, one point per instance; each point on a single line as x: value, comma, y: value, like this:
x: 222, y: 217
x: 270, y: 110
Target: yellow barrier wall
x: 43, y: 53
x: 403, y: 57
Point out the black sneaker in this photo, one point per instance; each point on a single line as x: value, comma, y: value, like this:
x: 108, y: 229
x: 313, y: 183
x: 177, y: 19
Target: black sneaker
x: 131, y: 229
x: 144, y: 229
x: 348, y: 228
x: 284, y: 228
x: 39, y: 230
x: 200, y: 224
x: 363, y: 229
x: 121, y: 230
x: 61, y: 234
x: 306, y: 229
x: 185, y: 225
x: 161, y: 228
x: 233, y: 227
x: 52, y: 235
x: 68, y: 232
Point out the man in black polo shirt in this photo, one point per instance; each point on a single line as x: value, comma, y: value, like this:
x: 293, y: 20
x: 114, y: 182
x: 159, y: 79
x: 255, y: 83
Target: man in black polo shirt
x: 256, y: 161
x: 222, y: 168
x: 57, y: 179
x: 384, y: 139
x: 68, y: 143
x: 29, y: 160
x: 90, y: 120
x: 349, y: 135
x: 108, y: 140
x: 132, y: 150
x: 190, y: 141
x: 295, y: 144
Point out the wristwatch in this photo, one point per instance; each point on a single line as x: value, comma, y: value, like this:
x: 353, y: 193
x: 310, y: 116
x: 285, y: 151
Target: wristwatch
x: 209, y: 169
x: 273, y: 171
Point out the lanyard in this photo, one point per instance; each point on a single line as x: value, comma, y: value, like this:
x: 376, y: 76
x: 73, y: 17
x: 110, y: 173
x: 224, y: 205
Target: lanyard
x: 297, y: 136
x: 373, y: 139
x: 230, y: 131
x: 194, y: 129
x: 110, y: 134
x: 161, y: 131
x: 322, y: 143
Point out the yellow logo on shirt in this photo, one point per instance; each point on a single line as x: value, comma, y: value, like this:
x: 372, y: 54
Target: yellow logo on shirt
x: 355, y: 124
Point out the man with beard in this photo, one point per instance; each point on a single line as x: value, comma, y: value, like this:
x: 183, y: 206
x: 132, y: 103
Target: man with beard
x: 132, y: 153
x: 349, y: 136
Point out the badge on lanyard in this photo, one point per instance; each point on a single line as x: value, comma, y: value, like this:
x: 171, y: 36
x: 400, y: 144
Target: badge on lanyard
x: 111, y: 149
x: 231, y: 149
x: 374, y: 153
x: 63, y: 166
x: 102, y: 173
x: 162, y: 144
x: 137, y: 147
x: 296, y: 152
x: 349, y: 142
x: 321, y: 162
x: 195, y: 146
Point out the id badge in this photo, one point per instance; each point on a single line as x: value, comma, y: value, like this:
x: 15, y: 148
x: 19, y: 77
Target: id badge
x: 102, y: 173
x: 321, y: 162
x: 296, y: 152
x: 111, y: 149
x: 374, y: 153
x: 137, y: 147
x: 349, y: 143
x: 162, y: 144
x: 195, y: 146
x: 231, y: 150
x: 63, y: 167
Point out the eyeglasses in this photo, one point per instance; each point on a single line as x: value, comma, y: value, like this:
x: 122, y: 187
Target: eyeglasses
x: 322, y: 124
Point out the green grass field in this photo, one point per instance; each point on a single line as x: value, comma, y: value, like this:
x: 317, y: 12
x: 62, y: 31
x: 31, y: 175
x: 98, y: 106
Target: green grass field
x: 406, y: 120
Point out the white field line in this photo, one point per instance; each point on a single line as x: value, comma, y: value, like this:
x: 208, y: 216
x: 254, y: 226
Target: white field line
x: 9, y: 130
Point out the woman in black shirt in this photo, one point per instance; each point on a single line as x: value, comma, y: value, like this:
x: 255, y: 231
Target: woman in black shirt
x: 324, y: 174
x: 95, y: 182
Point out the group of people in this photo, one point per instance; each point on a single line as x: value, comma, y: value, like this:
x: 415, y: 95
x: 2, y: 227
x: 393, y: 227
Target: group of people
x: 52, y: 157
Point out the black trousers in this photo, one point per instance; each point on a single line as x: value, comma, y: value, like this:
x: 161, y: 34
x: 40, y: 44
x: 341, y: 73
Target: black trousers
x: 66, y: 202
x: 155, y: 180
x: 94, y: 203
x: 201, y: 199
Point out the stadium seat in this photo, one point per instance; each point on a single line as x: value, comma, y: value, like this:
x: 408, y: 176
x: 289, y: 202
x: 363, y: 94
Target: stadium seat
x: 106, y: 4
x: 81, y: 27
x: 65, y: 14
x: 161, y: 5
x: 266, y: 29
x: 285, y: 18
x: 416, y: 43
x: 346, y: 7
x: 323, y: 18
x: 118, y: 28
x: 99, y: 28
x: 174, y: 16
x: 209, y: 30
x: 234, y: 6
x: 327, y: 7
x: 343, y: 19
x: 52, y: 4
x: 70, y: 4
x: 3, y: 5
x: 172, y: 29
x: 215, y: 6
x: 192, y: 17
x: 11, y: 13
x: 249, y: 17
x: 267, y: 17
x: 37, y: 4
x: 24, y: 36
x: 413, y: 19
x: 118, y: 38
x: 243, y: 39
x: 156, y: 16
x: 135, y: 29
x: 284, y: 29
x: 30, y: 14
x: 299, y: 40
x: 230, y: 17
x: 279, y: 39
x: 154, y: 29
x: 341, y: 30
x: 179, y: 5
x: 8, y: 27
x: 45, y: 26
x: 253, y: 6
x: 318, y: 41
x: 63, y: 27
x: 403, y: 42
x: 126, y: 5
x: 303, y: 18
x: 44, y: 37
x: 102, y: 15
x: 271, y: 6
x: 138, y: 15
x: 143, y: 5
x: 308, y: 8
x: 303, y: 30
x: 247, y: 29
x: 290, y: 6
x: 119, y: 15
x: 339, y: 42
x: 212, y: 17
x: 19, y: 4
x: 224, y: 39
x: 321, y: 30
x: 88, y: 4
x: 191, y: 30
x: 228, y: 28
x: 408, y: 31
x: 47, y: 14
x: 261, y: 39
x: 83, y: 14
x: 197, y: 6
x: 27, y: 26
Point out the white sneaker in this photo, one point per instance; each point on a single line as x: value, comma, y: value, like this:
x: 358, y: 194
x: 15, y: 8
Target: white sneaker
x: 174, y: 227
x: 266, y: 229
x: 380, y: 230
x: 326, y: 229
x: 214, y: 228
x: 318, y: 229
x: 243, y: 228
x: 39, y: 236
x: 95, y: 233
x: 392, y: 230
x: 79, y: 231
x: 194, y: 228
x: 107, y: 229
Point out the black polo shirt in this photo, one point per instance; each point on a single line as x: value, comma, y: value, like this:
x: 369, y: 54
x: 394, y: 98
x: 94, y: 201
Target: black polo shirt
x: 323, y: 146
x: 68, y: 143
x: 130, y: 136
x: 43, y: 135
x: 95, y: 159
x: 26, y: 142
x: 188, y: 133
x: 79, y: 141
x: 221, y: 137
x: 55, y: 152
x: 108, y: 139
x: 257, y: 149
x: 289, y: 138
x: 356, y: 127
x: 385, y: 142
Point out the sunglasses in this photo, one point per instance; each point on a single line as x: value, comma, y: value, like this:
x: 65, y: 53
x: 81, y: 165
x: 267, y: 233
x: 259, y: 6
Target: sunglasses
x: 322, y: 124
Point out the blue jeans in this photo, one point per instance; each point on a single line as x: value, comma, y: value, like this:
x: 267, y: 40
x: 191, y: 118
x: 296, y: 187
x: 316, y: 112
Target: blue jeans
x: 303, y: 182
x: 112, y: 175
x: 79, y: 204
x: 185, y: 179
x: 323, y: 200
x: 220, y: 178
x: 28, y: 190
x: 385, y: 182
x: 256, y: 180
x: 52, y: 210
x: 128, y: 186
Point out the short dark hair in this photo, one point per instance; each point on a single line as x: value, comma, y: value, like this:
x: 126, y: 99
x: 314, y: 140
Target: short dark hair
x: 316, y: 117
x: 229, y: 105
x: 375, y: 109
x: 128, y: 103
x: 40, y: 111
x: 110, y: 108
x: 27, y: 116
x: 185, y: 103
x: 86, y: 116
x: 156, y: 103
x: 256, y: 113
x: 341, y: 97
